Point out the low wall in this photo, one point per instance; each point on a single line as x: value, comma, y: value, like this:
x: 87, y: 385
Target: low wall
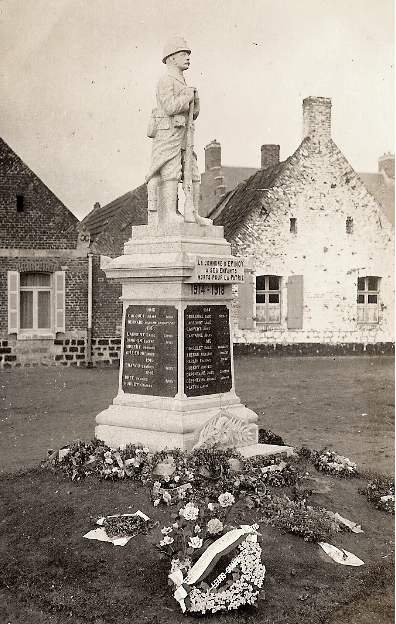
x: 106, y: 351
x: 71, y: 351
x: 313, y: 349
x: 68, y: 350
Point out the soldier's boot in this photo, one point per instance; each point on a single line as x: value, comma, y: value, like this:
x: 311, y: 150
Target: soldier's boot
x: 169, y: 210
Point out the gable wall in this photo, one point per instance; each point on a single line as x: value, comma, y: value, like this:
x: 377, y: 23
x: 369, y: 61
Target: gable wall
x: 320, y: 190
x: 45, y: 222
x: 43, y: 238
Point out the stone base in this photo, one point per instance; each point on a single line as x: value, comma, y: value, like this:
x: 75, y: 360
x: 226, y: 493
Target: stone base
x: 115, y: 437
x: 158, y: 272
x: 164, y: 428
x: 177, y: 229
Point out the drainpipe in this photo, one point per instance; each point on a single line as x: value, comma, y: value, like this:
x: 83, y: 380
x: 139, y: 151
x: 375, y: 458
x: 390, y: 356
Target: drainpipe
x: 89, y: 327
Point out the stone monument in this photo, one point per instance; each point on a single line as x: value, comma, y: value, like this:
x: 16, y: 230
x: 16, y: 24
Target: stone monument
x: 176, y: 380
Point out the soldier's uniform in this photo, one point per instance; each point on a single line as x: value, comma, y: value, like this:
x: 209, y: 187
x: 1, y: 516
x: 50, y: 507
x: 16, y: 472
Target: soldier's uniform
x: 169, y: 130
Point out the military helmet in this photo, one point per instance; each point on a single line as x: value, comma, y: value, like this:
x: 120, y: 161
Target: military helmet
x: 176, y: 44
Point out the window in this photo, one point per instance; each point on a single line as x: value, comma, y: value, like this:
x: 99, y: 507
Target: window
x: 293, y: 225
x: 36, y: 303
x: 268, y: 299
x: 20, y: 204
x: 259, y: 299
x: 349, y: 225
x: 368, y: 299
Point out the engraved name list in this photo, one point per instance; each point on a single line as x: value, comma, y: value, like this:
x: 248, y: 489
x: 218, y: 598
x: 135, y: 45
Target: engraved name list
x: 150, y: 350
x: 207, y: 356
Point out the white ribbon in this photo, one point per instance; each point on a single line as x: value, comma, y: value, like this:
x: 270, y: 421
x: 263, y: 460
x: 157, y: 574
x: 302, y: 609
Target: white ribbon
x: 221, y: 544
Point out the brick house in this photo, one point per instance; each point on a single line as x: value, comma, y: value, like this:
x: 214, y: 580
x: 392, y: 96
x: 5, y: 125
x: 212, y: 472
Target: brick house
x: 321, y: 249
x: 55, y: 299
x: 43, y: 271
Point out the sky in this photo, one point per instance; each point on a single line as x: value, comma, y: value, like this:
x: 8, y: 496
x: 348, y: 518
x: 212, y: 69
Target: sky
x: 78, y: 78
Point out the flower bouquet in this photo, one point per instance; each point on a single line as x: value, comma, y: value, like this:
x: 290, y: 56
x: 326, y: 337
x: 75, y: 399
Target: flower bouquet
x: 120, y: 528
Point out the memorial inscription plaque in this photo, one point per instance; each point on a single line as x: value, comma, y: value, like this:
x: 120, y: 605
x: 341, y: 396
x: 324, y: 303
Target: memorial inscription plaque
x: 150, y: 350
x: 207, y: 353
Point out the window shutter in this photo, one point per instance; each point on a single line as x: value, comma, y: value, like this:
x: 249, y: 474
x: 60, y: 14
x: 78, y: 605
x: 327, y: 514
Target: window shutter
x: 295, y: 302
x: 59, y: 307
x: 13, y: 302
x: 246, y: 292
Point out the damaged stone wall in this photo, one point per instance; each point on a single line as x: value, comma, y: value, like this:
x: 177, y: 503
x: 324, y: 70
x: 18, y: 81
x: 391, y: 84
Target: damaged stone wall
x: 320, y: 191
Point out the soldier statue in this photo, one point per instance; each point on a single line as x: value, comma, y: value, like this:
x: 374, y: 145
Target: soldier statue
x: 171, y: 128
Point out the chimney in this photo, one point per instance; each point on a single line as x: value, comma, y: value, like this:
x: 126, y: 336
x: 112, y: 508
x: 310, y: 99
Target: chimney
x: 96, y: 205
x: 212, y: 155
x: 386, y: 163
x: 269, y: 156
x: 317, y: 118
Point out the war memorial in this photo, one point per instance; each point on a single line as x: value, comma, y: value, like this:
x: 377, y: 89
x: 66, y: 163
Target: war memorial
x: 176, y: 382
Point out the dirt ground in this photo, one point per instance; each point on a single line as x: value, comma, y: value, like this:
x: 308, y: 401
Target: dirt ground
x: 50, y: 575
x: 345, y: 404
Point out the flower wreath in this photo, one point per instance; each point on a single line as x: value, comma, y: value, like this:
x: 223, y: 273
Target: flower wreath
x: 246, y: 569
x: 180, y: 472
x: 331, y: 462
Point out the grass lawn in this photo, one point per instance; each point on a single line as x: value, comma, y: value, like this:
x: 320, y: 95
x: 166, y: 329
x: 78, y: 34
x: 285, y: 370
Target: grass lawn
x: 51, y: 574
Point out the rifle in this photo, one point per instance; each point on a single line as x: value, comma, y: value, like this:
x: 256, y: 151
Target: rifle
x: 189, y: 214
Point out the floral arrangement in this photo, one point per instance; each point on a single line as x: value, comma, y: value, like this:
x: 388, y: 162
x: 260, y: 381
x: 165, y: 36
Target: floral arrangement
x: 171, y: 483
x: 297, y: 517
x: 126, y: 525
x: 381, y: 492
x: 247, y: 577
x: 203, y: 487
x: 203, y: 475
x: 182, y: 473
x: 330, y: 462
x: 270, y: 471
x: 81, y: 459
x: 203, y: 468
x: 198, y: 525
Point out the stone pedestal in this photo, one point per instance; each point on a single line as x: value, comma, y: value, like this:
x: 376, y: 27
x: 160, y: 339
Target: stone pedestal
x: 176, y: 382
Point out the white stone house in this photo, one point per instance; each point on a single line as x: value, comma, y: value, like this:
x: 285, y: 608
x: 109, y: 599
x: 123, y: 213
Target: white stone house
x: 321, y: 248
